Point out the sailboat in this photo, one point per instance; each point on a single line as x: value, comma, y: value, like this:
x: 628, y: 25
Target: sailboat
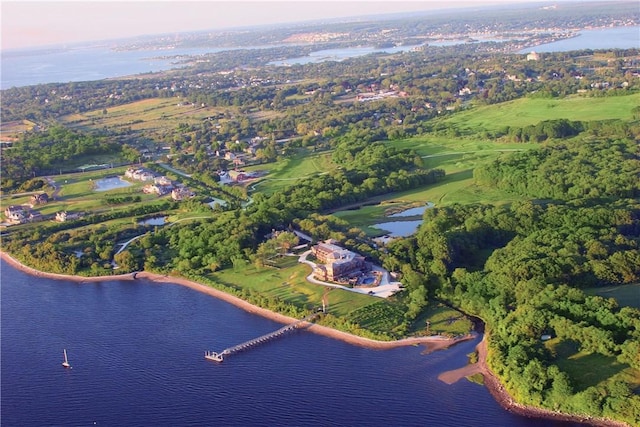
x: 66, y: 361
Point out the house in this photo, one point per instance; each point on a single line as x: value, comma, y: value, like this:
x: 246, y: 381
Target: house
x: 181, y: 193
x: 39, y: 199
x: 533, y: 56
x: 63, y: 216
x: 16, y: 214
x: 338, y: 261
x: 162, y: 180
x: 237, y: 176
x: 139, y: 174
x: 158, y: 189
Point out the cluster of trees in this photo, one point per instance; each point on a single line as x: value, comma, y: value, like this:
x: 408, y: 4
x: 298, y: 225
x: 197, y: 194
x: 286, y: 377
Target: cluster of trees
x: 520, y: 287
x: 40, y: 153
x: 584, y: 167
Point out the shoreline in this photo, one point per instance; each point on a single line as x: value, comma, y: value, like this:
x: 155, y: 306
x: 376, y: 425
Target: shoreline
x: 504, y: 399
x: 431, y: 343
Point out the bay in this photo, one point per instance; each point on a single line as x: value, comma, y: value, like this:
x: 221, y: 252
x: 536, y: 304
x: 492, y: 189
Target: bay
x: 137, y: 355
x: 607, y: 38
x: 26, y: 67
x: 63, y: 64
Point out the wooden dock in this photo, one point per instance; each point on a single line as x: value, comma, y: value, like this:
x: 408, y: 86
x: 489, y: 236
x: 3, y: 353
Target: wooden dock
x: 219, y: 357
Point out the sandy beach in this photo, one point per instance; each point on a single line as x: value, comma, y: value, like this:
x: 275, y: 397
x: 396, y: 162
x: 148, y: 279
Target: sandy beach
x: 431, y: 343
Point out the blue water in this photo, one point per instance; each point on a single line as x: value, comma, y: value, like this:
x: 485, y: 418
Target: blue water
x: 26, y: 67
x: 136, y: 350
x: 399, y: 228
x: 609, y: 38
x: 340, y: 54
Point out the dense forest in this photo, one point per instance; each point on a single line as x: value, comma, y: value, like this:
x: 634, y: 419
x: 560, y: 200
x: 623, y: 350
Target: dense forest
x: 566, y: 223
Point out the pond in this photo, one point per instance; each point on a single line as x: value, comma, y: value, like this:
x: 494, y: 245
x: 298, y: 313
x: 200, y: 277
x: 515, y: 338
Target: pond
x: 399, y: 228
x: 413, y: 211
x: 111, y: 183
x: 158, y: 220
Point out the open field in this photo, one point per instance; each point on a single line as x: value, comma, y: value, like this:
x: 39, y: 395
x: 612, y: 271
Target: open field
x: 457, y: 158
x: 589, y: 369
x: 285, y: 172
x: 530, y: 111
x: 10, y: 131
x: 150, y: 115
x: 442, y: 320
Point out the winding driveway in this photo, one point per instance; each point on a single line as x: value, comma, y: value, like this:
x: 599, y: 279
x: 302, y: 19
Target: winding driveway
x: 385, y: 289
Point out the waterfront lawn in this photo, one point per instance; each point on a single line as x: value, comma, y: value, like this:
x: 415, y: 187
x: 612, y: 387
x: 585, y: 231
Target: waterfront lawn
x: 442, y: 320
x: 625, y: 295
x: 383, y: 316
x: 290, y: 285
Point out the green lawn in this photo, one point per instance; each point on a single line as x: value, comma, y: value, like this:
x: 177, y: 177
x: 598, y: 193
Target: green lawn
x: 530, y: 111
x: 587, y: 369
x: 290, y: 285
x: 442, y: 320
x: 285, y: 172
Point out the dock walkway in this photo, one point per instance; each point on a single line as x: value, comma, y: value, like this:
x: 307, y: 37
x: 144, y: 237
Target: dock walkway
x: 219, y: 357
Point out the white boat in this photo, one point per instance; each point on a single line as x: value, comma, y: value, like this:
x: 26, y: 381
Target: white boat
x: 66, y: 361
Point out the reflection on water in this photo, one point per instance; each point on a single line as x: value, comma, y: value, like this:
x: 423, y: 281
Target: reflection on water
x: 399, y: 228
x: 158, y: 220
x: 413, y: 211
x: 106, y: 184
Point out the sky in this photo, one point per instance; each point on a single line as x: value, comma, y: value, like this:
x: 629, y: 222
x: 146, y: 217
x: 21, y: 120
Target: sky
x: 28, y: 23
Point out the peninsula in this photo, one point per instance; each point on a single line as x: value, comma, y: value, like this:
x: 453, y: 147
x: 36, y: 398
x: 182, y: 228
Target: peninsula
x: 404, y: 193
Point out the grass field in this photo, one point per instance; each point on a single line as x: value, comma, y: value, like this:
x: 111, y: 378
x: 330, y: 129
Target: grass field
x: 589, y: 369
x: 443, y: 320
x: 458, y: 158
x: 151, y: 115
x: 625, y: 295
x: 285, y: 172
x: 290, y: 284
x: 530, y: 111
x: 10, y: 131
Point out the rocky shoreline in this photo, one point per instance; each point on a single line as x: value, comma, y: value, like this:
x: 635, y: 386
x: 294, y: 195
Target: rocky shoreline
x: 431, y: 343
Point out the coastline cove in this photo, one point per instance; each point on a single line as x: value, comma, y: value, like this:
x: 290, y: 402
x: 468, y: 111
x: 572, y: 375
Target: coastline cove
x: 109, y: 323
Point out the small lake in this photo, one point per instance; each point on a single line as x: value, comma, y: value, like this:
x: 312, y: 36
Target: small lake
x: 158, y: 220
x: 413, y: 211
x: 340, y: 54
x: 106, y: 184
x: 399, y: 228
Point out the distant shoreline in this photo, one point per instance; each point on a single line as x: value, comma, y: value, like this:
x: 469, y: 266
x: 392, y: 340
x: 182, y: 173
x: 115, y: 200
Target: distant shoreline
x: 431, y: 343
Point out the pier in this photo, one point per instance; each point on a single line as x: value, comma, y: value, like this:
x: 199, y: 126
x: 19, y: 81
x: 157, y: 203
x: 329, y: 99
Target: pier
x: 219, y: 357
